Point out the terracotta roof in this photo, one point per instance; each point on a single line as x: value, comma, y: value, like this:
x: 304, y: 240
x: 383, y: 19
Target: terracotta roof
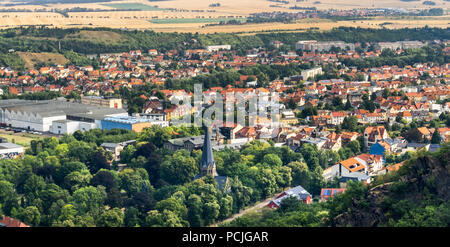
x: 10, y: 222
x: 352, y: 165
x: 424, y: 131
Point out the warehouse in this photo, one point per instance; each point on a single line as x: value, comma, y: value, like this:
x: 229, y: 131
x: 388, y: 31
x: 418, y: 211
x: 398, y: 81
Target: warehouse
x: 56, y: 116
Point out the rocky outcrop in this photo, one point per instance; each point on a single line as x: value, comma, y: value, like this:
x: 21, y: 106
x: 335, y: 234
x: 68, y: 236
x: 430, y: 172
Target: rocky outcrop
x: 428, y: 171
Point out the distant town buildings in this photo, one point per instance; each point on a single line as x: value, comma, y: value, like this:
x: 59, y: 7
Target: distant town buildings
x: 400, y: 45
x: 100, y: 101
x: 313, y: 45
x: 311, y: 73
x: 214, y: 48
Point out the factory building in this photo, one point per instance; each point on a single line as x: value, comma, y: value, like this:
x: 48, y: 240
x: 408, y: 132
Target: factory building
x: 56, y: 116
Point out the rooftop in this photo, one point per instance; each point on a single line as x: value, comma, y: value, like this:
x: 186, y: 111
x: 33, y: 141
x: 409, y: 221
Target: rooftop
x: 127, y: 119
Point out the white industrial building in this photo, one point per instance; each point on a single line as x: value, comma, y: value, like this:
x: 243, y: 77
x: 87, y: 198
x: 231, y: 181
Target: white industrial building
x: 10, y: 150
x: 55, y: 116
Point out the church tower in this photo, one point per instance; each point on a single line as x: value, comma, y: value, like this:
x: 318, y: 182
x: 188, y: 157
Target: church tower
x: 207, y: 163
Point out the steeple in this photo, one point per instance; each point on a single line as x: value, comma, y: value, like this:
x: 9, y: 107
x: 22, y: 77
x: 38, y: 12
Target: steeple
x: 207, y: 163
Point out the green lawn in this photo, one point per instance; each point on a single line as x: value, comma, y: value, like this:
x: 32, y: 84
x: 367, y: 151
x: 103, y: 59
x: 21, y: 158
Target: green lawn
x: 194, y: 20
x: 126, y: 6
x: 23, y: 140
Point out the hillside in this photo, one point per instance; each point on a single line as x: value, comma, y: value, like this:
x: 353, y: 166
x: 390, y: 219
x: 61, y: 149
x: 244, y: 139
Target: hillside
x: 417, y: 195
x: 43, y: 58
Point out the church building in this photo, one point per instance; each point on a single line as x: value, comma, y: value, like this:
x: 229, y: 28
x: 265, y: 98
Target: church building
x: 207, y: 163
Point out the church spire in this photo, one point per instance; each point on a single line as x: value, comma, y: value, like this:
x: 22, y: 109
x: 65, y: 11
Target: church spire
x: 207, y: 163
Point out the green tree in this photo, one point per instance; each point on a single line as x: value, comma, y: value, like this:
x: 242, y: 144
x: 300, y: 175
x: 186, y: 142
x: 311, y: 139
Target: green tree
x: 111, y: 218
x: 8, y: 196
x: 226, y: 207
x: 33, y: 186
x: 350, y: 123
x: 211, y: 212
x: 195, y: 210
x: 172, y: 205
x: 134, y: 180
x: 77, y: 179
x: 89, y: 199
x: 165, y: 219
x: 31, y: 216
x: 179, y: 168
x: 436, y: 137
x: 354, y: 146
x: 132, y: 217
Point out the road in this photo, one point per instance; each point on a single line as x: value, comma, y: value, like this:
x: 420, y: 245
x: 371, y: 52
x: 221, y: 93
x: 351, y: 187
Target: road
x: 253, y: 208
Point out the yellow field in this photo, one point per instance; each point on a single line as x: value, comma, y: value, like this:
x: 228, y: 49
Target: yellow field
x: 31, y: 58
x: 245, y: 7
x: 200, y: 9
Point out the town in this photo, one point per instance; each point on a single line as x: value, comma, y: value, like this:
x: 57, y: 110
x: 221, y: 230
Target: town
x: 349, y: 111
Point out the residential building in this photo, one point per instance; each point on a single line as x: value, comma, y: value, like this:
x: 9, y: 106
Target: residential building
x: 298, y: 192
x: 373, y: 134
x: 7, y: 221
x: 311, y: 73
x: 117, y: 148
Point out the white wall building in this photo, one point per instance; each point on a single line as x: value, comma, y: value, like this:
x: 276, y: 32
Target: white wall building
x: 214, y: 48
x: 59, y: 117
x: 10, y: 150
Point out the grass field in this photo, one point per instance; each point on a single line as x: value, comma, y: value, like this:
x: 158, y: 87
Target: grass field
x: 97, y: 36
x: 31, y: 59
x: 140, y: 6
x: 20, y: 139
x: 195, y: 20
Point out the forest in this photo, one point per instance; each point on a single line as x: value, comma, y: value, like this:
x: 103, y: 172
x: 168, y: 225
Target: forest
x: 42, y: 39
x: 72, y: 181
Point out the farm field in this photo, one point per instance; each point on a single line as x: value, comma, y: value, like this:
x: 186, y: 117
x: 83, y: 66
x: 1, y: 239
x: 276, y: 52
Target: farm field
x: 178, y: 16
x: 140, y: 6
x: 304, y: 25
x: 195, y: 20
